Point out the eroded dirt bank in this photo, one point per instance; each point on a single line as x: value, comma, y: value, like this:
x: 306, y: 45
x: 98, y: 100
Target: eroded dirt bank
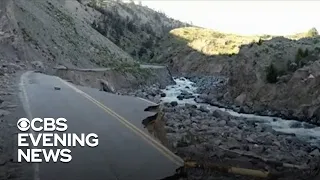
x: 118, y: 79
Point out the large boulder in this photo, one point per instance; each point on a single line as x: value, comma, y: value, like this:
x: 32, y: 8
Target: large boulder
x: 105, y: 86
x: 38, y: 65
x: 240, y: 99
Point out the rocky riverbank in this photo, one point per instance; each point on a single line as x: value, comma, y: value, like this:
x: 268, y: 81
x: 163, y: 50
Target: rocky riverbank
x: 152, y: 93
x: 213, y: 90
x: 200, y: 129
x: 210, y: 90
x: 216, y: 136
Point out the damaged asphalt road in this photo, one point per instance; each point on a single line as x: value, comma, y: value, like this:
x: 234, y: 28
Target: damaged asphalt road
x: 125, y: 151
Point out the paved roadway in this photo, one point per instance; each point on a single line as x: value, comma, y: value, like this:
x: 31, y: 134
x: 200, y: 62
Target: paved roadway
x: 125, y: 149
x: 143, y: 66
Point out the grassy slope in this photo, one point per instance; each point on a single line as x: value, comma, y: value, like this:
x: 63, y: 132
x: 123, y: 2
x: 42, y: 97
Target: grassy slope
x: 211, y: 42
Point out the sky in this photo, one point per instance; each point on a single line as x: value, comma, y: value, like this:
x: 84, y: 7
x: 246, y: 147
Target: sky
x: 244, y: 17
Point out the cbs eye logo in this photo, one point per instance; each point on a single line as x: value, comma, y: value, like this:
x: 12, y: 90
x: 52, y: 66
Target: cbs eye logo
x: 23, y: 124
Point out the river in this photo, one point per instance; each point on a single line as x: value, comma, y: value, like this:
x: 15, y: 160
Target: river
x: 302, y: 130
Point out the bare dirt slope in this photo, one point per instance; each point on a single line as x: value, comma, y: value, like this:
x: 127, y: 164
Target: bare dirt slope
x: 11, y: 63
x: 50, y: 33
x: 58, y: 36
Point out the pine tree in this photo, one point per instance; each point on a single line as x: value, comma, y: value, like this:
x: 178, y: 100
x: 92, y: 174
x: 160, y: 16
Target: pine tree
x: 272, y: 74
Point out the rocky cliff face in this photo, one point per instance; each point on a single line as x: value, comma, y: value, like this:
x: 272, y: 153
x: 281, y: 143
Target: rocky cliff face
x: 289, y: 87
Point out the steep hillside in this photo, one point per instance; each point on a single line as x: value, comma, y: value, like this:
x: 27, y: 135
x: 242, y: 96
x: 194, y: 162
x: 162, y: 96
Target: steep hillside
x: 49, y: 33
x: 265, y: 72
x: 58, y: 36
x: 136, y: 29
x: 281, y: 75
x: 193, y: 50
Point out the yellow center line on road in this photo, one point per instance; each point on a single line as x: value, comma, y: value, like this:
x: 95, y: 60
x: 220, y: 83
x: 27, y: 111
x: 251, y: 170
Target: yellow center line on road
x: 157, y: 145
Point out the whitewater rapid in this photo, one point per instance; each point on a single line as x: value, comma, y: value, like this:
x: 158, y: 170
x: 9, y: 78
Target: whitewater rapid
x: 303, y: 130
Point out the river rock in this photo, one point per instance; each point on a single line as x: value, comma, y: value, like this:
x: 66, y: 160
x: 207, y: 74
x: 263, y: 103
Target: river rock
x: 4, y: 112
x: 296, y: 125
x: 187, y: 122
x: 232, y: 123
x: 308, y: 126
x: 277, y: 143
x: 218, y: 142
x: 184, y: 92
x: 188, y: 96
x: 180, y: 97
x: 190, y: 106
x: 203, y: 96
x: 174, y: 103
x: 199, y: 100
x: 238, y: 136
x: 240, y: 99
x: 250, y: 139
x: 315, y: 152
x: 203, y: 108
x: 204, y: 127
x: 222, y: 123
x: 220, y: 114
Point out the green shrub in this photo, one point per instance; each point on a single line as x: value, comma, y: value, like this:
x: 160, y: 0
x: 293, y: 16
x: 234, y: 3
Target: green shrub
x: 306, y: 53
x: 151, y: 55
x: 312, y: 32
x: 131, y: 26
x: 142, y: 51
x: 272, y: 74
x: 300, y: 55
x: 133, y: 53
x: 148, y: 43
x: 259, y: 42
